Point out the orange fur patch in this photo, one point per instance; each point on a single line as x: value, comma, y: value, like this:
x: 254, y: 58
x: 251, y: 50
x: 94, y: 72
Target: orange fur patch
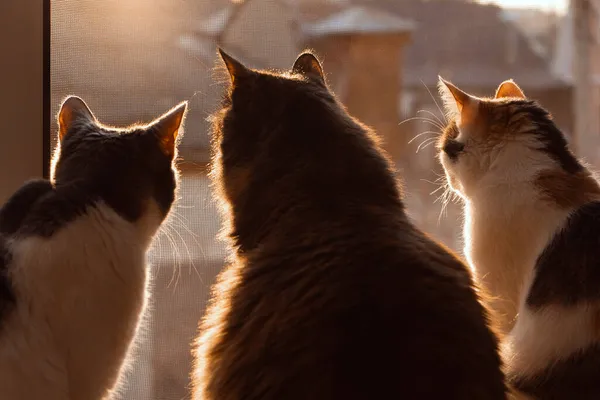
x: 567, y: 190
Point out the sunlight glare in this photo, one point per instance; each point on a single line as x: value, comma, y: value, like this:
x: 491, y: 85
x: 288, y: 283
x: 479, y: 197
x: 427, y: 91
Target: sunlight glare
x: 558, y: 6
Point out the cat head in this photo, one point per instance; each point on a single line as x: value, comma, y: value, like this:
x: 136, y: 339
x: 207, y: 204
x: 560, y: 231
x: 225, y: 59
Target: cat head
x: 282, y: 141
x: 500, y: 142
x: 131, y: 170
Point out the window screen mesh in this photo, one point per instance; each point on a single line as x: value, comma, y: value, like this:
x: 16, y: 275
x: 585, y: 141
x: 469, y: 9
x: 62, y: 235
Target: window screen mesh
x: 131, y: 60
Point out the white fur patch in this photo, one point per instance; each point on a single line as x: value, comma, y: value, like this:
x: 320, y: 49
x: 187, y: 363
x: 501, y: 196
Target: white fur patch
x: 80, y: 295
x: 503, y: 239
x: 545, y: 336
x: 507, y: 225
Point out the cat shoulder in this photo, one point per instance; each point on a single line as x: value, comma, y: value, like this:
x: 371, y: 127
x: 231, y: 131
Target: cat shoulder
x: 19, y: 205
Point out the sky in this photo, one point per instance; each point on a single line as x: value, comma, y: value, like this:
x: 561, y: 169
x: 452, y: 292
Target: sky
x: 552, y: 5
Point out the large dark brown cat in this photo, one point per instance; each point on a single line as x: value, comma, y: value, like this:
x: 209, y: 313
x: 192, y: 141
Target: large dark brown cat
x: 332, y: 292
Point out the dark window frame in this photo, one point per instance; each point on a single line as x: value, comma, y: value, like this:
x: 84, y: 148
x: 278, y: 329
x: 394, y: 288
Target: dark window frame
x: 25, y: 104
x: 47, y: 91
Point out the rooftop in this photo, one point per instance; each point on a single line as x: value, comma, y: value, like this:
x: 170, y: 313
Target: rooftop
x: 469, y: 43
x: 358, y: 19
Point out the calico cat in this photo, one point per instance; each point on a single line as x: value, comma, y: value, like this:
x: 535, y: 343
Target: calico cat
x: 532, y: 231
x: 332, y: 292
x: 73, y: 274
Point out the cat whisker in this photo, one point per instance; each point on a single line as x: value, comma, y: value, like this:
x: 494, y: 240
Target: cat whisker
x: 424, y: 143
x: 440, y: 122
x: 156, y: 247
x: 437, y: 190
x: 182, y: 224
x: 429, y: 143
x: 187, y: 250
x: 181, y: 239
x: 439, y: 175
x: 430, y: 120
x: 445, y: 196
x: 180, y: 220
x: 436, y: 182
x: 161, y: 248
x: 177, y: 265
x: 421, y: 134
x: 448, y: 196
x: 440, y: 197
x: 427, y: 120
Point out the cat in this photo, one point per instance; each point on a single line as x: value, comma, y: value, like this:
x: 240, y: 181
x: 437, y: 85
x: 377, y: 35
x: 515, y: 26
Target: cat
x: 532, y: 229
x: 332, y: 292
x: 73, y: 273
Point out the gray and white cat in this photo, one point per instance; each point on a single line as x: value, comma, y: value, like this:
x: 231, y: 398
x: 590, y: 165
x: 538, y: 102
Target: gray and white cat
x: 73, y: 273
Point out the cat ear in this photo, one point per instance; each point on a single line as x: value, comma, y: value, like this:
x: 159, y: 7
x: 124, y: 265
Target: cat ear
x: 73, y: 109
x: 308, y: 65
x: 167, y: 128
x: 235, y: 68
x: 509, y: 88
x: 456, y: 102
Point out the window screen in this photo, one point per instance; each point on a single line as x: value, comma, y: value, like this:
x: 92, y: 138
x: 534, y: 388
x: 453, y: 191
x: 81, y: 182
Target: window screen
x: 131, y: 60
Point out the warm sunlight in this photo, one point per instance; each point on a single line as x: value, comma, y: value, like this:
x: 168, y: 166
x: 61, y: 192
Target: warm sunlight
x: 559, y: 6
x: 284, y: 233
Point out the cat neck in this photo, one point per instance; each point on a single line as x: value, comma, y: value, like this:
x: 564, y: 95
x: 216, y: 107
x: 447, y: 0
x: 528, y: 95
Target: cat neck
x: 505, y: 231
x: 300, y: 226
x: 70, y: 202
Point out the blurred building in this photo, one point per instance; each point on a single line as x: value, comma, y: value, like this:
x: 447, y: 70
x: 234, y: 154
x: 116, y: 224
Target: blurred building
x: 148, y: 55
x: 476, y: 48
x: 362, y: 49
x: 564, y: 65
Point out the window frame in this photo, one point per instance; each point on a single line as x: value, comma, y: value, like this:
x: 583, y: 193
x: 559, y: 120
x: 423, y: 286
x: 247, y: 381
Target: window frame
x: 25, y: 115
x: 46, y: 91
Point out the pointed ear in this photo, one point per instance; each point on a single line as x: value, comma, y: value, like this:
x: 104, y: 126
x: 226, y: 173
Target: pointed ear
x: 308, y: 64
x: 168, y: 126
x: 235, y: 68
x: 509, y: 88
x: 73, y: 109
x: 455, y: 100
